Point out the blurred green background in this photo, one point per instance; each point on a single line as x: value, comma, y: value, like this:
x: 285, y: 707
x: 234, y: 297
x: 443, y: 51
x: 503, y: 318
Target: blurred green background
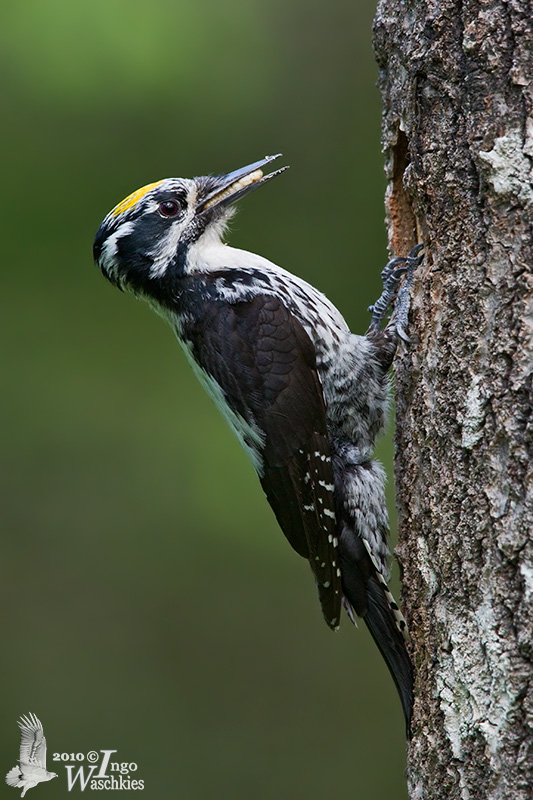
x: 150, y: 603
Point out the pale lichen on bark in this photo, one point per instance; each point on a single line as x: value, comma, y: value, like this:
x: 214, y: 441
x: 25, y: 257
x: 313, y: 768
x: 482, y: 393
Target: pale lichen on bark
x: 456, y: 81
x: 509, y: 167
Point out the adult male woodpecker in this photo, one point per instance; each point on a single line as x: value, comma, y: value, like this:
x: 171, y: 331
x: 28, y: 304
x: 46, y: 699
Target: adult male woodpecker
x: 304, y: 395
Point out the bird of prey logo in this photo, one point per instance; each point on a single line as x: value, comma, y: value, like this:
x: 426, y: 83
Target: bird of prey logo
x: 32, y: 760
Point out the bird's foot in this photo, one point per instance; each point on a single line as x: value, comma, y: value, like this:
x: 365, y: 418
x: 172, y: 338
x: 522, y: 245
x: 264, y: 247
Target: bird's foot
x: 397, y: 292
x: 400, y: 315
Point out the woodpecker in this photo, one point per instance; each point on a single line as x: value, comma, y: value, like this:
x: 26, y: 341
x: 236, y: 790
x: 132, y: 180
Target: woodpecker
x: 305, y: 396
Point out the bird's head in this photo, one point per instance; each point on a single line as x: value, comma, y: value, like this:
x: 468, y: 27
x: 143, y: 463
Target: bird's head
x: 146, y: 238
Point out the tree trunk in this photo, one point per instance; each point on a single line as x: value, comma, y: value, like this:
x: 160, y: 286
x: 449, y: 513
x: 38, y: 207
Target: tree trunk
x: 458, y: 140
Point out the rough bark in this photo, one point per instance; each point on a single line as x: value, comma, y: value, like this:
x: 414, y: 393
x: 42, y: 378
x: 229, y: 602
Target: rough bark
x: 458, y: 141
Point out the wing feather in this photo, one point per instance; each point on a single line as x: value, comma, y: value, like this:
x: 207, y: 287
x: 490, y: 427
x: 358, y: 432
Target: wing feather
x: 264, y: 363
x: 32, y: 741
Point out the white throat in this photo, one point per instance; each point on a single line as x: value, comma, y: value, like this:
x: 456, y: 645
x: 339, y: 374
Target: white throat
x: 211, y: 254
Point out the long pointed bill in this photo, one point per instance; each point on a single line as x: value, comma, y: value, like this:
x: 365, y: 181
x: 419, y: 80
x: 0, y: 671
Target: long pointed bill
x: 231, y: 187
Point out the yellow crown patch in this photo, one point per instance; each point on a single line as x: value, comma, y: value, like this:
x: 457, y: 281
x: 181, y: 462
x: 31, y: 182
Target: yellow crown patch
x: 133, y: 198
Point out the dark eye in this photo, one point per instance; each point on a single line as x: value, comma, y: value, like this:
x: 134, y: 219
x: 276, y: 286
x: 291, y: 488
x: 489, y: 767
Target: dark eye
x: 169, y: 208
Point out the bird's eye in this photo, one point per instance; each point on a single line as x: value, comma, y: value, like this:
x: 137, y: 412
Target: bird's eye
x: 169, y: 208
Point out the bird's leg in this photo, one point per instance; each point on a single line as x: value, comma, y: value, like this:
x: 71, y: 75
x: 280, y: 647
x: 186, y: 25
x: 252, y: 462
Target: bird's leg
x: 392, y: 291
x: 390, y: 275
x: 400, y: 315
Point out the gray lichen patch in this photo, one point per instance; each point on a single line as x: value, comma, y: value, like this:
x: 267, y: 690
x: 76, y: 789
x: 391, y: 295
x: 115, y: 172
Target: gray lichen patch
x: 472, y: 418
x: 508, y: 168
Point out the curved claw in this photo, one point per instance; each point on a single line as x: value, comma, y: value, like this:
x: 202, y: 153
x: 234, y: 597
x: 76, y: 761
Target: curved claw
x: 402, y: 334
x: 416, y: 250
x: 414, y: 260
x: 397, y: 273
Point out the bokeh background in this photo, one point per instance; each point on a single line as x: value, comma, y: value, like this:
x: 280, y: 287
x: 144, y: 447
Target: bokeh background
x: 150, y: 604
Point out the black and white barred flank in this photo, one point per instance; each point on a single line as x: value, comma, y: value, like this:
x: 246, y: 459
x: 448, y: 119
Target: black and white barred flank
x: 304, y: 395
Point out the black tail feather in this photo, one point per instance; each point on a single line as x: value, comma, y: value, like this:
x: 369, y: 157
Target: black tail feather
x: 382, y: 625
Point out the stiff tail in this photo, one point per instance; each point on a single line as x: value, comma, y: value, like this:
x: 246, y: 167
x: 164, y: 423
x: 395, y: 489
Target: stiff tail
x: 366, y: 594
x: 383, y: 626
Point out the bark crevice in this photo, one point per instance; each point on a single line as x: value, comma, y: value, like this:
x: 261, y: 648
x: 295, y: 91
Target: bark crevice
x: 402, y: 219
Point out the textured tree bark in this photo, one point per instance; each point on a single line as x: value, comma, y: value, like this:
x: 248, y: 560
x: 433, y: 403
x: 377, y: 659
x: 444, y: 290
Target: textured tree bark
x: 456, y: 78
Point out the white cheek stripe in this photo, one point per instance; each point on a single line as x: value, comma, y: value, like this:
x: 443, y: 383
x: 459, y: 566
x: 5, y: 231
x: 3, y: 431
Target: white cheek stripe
x: 165, y: 252
x: 167, y: 249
